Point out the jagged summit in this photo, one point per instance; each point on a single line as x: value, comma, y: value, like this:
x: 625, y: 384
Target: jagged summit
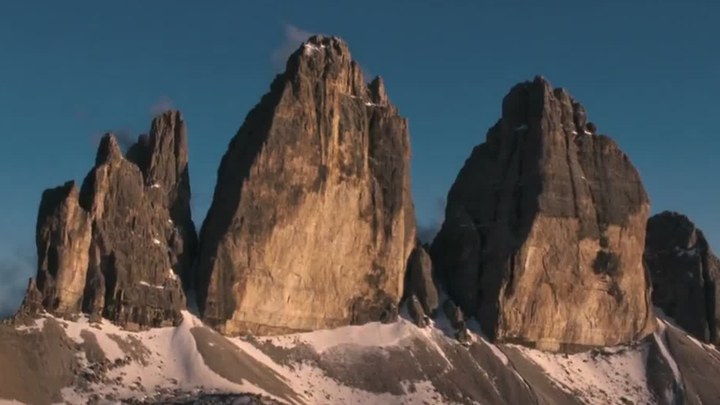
x: 529, y: 102
x: 312, y: 219
x: 112, y: 248
x: 544, y: 228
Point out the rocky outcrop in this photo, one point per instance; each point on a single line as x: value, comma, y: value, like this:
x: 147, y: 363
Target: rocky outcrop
x: 416, y: 311
x: 420, y: 280
x: 162, y: 156
x: 63, y: 235
x: 312, y: 221
x: 112, y: 248
x: 684, y: 274
x: 545, y: 227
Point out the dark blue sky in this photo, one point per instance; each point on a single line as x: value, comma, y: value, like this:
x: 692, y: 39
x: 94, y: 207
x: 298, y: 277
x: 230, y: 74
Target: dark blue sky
x: 646, y: 72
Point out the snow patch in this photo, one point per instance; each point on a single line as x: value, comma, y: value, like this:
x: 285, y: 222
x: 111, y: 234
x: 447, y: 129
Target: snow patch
x: 146, y: 284
x: 170, y: 359
x: 522, y: 127
x: 37, y: 325
x: 156, y: 241
x: 374, y: 334
x: 156, y: 185
x: 609, y: 376
x: 309, y: 48
x: 659, y: 337
x: 685, y: 252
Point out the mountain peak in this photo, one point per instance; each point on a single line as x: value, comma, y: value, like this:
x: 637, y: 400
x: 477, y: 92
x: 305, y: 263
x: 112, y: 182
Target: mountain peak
x: 109, y: 150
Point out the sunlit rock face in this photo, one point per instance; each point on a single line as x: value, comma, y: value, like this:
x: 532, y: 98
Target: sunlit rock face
x: 312, y: 220
x: 545, y: 227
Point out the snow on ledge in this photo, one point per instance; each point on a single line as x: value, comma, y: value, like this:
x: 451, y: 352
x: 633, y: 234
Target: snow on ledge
x: 146, y: 284
x: 309, y: 48
x: 374, y: 334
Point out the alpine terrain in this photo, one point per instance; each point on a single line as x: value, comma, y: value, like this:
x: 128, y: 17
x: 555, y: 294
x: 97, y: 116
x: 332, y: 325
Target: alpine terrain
x: 547, y: 283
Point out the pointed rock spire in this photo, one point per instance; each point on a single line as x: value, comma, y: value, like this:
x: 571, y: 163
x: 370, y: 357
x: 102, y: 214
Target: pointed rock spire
x: 109, y: 150
x: 312, y: 219
x: 112, y: 249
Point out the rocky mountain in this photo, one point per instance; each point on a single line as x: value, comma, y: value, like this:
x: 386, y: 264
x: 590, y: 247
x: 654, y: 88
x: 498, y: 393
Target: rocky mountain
x: 312, y: 219
x: 162, y: 156
x: 313, y: 289
x: 112, y: 248
x: 684, y: 273
x: 544, y: 229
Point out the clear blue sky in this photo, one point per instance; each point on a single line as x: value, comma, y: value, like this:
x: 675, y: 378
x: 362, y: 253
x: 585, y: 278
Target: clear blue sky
x: 646, y: 71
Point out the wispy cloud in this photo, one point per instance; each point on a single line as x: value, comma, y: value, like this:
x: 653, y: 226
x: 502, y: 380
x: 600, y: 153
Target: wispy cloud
x: 294, y: 36
x: 161, y: 105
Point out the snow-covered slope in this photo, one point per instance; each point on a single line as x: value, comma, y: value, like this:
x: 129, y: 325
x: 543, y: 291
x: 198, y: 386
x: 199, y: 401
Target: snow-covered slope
x: 370, y: 364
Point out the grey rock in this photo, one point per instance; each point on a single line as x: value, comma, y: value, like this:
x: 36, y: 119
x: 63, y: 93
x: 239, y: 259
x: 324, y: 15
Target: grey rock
x: 684, y: 273
x: 112, y: 249
x: 416, y: 311
x: 420, y: 280
x: 544, y: 230
x: 162, y: 156
x: 463, y: 336
x: 454, y: 314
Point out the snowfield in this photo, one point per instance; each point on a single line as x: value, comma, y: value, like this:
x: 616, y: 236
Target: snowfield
x: 396, y: 363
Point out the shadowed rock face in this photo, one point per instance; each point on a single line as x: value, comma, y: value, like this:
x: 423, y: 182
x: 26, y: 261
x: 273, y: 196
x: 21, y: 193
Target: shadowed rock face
x: 312, y: 220
x: 684, y: 274
x: 110, y: 248
x: 419, y: 280
x: 162, y: 156
x: 545, y: 227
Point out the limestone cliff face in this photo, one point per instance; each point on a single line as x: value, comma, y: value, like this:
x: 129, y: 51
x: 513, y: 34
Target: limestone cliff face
x: 312, y: 220
x: 63, y: 237
x: 162, y: 156
x: 110, y: 248
x: 684, y: 273
x: 544, y: 229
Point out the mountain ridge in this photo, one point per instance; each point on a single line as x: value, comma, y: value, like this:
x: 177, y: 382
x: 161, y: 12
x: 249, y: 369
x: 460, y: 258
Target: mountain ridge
x: 312, y: 287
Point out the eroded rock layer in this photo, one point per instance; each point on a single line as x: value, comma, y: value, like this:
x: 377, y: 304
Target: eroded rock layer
x: 684, y: 273
x: 312, y: 220
x: 544, y: 229
x: 113, y: 247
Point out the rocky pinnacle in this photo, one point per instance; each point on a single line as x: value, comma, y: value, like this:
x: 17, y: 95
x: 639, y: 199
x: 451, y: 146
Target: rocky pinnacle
x: 312, y: 220
x: 544, y: 229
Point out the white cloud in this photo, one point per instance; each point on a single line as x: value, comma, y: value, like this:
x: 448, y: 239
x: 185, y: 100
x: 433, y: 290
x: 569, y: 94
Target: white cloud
x: 294, y: 36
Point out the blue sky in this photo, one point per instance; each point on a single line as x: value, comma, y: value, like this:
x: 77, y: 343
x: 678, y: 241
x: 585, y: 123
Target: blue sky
x: 646, y: 72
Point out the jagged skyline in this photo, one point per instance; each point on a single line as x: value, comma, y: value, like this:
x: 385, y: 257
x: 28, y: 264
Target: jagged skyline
x: 646, y: 75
